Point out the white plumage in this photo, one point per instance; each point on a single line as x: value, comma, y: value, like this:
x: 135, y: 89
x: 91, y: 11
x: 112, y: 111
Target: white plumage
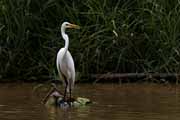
x: 65, y: 62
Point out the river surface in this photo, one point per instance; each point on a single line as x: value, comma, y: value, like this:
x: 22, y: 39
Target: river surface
x: 111, y: 102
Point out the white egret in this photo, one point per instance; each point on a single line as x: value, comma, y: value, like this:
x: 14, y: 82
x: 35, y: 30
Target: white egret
x: 64, y: 61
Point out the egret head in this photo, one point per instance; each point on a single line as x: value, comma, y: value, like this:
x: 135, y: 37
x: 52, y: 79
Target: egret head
x: 69, y: 25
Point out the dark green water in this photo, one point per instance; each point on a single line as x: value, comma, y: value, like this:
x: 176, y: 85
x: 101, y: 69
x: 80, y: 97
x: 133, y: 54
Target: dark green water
x: 112, y: 102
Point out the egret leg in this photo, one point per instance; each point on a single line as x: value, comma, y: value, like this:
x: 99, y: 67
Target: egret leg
x: 70, y: 96
x: 70, y: 91
x: 65, y: 90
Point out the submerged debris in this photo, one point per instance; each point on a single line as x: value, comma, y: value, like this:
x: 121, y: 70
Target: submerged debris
x: 55, y: 98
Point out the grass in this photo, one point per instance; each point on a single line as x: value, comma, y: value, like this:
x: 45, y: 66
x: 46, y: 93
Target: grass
x: 116, y: 36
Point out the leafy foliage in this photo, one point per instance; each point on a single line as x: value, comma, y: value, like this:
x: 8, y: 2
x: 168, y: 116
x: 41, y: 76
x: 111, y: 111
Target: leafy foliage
x: 116, y: 36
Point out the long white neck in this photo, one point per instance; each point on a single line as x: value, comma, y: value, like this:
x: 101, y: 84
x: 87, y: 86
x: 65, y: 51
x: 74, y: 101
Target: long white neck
x: 66, y: 38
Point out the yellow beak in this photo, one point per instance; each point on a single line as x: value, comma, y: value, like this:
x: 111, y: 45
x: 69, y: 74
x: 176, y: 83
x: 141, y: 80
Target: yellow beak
x: 73, y: 26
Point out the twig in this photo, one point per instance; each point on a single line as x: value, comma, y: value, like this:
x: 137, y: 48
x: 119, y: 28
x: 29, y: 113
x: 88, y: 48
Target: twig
x: 49, y: 93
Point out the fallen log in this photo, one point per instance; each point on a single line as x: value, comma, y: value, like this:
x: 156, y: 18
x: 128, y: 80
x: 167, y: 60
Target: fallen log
x: 121, y: 76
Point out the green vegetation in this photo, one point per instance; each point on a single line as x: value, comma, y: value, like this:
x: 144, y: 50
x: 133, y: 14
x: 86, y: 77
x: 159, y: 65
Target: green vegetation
x: 116, y: 36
